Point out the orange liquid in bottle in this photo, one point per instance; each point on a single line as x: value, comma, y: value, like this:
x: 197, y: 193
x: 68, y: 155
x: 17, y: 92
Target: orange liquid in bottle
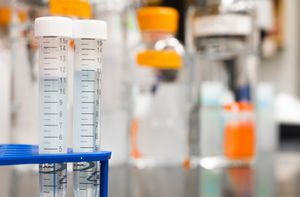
x: 239, y: 139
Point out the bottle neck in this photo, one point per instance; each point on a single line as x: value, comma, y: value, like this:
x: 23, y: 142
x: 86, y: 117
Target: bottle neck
x: 206, y: 3
x: 152, y: 37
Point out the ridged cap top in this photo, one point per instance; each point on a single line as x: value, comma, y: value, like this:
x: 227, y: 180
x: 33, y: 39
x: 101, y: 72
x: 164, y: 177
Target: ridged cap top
x: 158, y: 18
x: 53, y: 26
x: 96, y: 29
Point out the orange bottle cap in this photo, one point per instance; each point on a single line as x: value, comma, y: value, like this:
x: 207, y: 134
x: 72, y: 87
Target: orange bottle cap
x: 158, y: 18
x: 71, y: 8
x: 231, y: 107
x: 239, y: 106
x: 6, y: 15
x: 245, y: 106
x: 159, y: 59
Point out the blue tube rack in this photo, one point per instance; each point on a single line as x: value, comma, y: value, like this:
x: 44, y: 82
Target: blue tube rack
x: 19, y: 154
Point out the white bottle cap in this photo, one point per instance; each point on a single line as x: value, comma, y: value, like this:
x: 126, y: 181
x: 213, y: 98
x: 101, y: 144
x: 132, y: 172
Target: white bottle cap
x: 95, y: 29
x: 53, y: 26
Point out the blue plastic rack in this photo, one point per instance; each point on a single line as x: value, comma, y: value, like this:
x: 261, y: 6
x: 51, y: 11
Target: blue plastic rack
x: 18, y: 154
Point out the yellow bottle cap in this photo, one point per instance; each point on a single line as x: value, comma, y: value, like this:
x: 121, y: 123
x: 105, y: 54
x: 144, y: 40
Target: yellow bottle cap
x: 158, y: 18
x: 159, y: 59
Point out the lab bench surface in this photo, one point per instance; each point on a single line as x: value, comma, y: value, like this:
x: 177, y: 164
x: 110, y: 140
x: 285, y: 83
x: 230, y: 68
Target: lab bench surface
x: 271, y: 176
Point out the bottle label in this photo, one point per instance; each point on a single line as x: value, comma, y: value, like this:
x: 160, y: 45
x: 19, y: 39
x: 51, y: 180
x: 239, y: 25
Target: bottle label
x: 72, y: 8
x: 226, y: 24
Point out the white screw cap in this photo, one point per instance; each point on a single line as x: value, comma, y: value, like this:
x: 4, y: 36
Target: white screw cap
x: 53, y: 26
x: 95, y: 29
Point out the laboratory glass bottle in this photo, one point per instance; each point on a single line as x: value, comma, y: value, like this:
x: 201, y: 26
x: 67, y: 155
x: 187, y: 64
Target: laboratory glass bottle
x: 159, y: 124
x: 5, y: 80
x: 220, y: 44
x: 53, y: 34
x: 239, y: 133
x: 267, y: 132
x: 89, y: 36
x: 115, y: 93
x: 24, y: 94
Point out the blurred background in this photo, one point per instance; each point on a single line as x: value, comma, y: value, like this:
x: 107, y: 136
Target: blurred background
x: 271, y: 37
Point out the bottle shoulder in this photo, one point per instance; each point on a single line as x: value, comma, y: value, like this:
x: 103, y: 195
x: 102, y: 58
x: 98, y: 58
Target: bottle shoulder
x: 170, y: 43
x: 195, y: 12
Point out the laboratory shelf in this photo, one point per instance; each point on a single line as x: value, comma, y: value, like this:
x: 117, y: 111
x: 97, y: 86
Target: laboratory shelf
x: 19, y: 154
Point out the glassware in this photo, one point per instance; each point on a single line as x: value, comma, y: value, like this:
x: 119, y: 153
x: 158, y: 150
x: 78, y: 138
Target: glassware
x: 115, y: 93
x: 267, y: 133
x: 220, y: 43
x: 89, y: 36
x: 159, y: 122
x: 53, y: 34
x: 5, y: 79
x: 239, y: 132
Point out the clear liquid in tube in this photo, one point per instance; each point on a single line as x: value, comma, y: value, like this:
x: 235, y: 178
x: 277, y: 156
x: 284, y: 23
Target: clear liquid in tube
x: 53, y: 62
x: 87, y: 90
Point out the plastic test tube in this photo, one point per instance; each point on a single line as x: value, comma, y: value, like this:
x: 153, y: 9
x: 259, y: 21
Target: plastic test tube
x: 53, y: 35
x: 88, y: 36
